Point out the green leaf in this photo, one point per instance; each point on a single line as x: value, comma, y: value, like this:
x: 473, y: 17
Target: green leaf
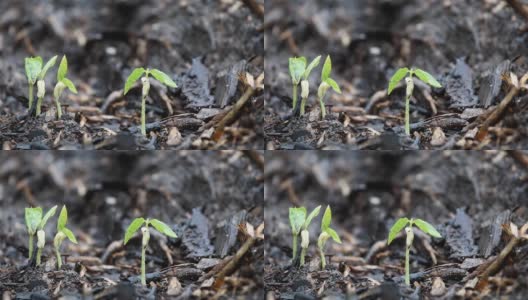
x: 163, y: 228
x: 399, y: 75
x: 396, y: 228
x: 327, y: 218
x: 333, y: 234
x: 297, y: 217
x: 33, y: 218
x: 310, y: 67
x: 48, y: 65
x: 427, y: 228
x: 297, y: 67
x: 33, y: 67
x: 334, y: 85
x: 63, y: 218
x: 163, y: 78
x: 134, y: 76
x: 312, y: 215
x: 69, y: 84
x: 63, y: 69
x: 427, y: 78
x: 132, y: 228
x: 69, y: 234
x: 48, y: 215
x: 327, y: 69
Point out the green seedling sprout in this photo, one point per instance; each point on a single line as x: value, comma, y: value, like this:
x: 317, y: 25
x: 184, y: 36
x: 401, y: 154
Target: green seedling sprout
x: 62, y: 83
x: 299, y: 224
x: 326, y: 83
x: 398, y: 76
x: 134, y: 76
x: 62, y: 233
x: 326, y: 232
x: 134, y: 227
x: 35, y: 224
x: 299, y: 71
x: 36, y: 73
x: 402, y: 223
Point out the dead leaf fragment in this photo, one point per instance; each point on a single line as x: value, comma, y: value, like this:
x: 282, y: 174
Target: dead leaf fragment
x: 174, y: 137
x: 174, y: 288
x: 438, y: 138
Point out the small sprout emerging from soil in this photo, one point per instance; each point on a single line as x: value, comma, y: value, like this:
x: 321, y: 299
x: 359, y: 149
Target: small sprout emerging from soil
x: 134, y: 227
x: 305, y: 84
x: 35, y: 224
x: 299, y: 224
x: 399, y: 75
x: 326, y: 83
x: 326, y: 232
x: 134, y: 76
x: 399, y: 225
x: 62, y: 233
x: 62, y: 83
x: 35, y: 71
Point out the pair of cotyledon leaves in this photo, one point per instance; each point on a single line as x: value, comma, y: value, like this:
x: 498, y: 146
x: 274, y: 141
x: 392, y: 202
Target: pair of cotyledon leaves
x: 299, y: 71
x: 35, y: 71
x: 421, y: 74
x: 35, y: 221
x: 402, y: 222
x: 157, y: 224
x: 299, y: 221
x: 138, y: 72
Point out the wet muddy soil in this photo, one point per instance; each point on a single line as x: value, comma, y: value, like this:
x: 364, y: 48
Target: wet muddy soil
x: 212, y: 200
x: 204, y: 46
x: 471, y: 47
x: 470, y: 197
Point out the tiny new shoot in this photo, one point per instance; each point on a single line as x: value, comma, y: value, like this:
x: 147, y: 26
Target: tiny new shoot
x: 326, y: 232
x: 326, y: 83
x: 35, y: 224
x: 134, y: 227
x: 299, y: 224
x: 62, y: 233
x: 134, y: 76
x: 62, y: 83
x: 398, y: 76
x: 305, y: 84
x: 407, y: 224
x: 36, y: 73
x: 297, y: 66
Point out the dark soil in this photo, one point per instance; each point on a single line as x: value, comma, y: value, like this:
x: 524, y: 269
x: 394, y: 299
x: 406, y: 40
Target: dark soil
x: 210, y: 199
x: 468, y: 196
x: 467, y: 45
x: 203, y: 45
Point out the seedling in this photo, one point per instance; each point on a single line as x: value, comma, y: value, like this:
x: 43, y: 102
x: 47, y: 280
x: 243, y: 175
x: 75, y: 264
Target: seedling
x: 299, y: 224
x: 135, y: 225
x: 399, y: 75
x: 62, y: 233
x: 399, y: 225
x: 62, y: 83
x: 135, y: 75
x: 326, y: 83
x: 36, y: 73
x: 35, y: 224
x: 326, y: 232
x: 299, y: 74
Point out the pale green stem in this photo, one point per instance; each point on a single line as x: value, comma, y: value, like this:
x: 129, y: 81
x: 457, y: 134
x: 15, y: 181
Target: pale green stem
x: 143, y: 276
x: 294, y: 247
x: 39, y: 104
x: 30, y: 246
x: 59, y: 109
x: 59, y: 258
x: 294, y: 95
x: 39, y: 254
x: 407, y: 276
x: 146, y: 88
x: 323, y: 259
x: 323, y: 108
x: 30, y: 95
x: 303, y: 253
x: 303, y: 104
x: 407, y: 117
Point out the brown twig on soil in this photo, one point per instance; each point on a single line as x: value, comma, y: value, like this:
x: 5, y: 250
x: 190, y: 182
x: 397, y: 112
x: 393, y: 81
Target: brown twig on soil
x: 256, y: 8
x: 232, y: 265
x: 519, y: 8
x: 519, y: 157
x: 256, y: 158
